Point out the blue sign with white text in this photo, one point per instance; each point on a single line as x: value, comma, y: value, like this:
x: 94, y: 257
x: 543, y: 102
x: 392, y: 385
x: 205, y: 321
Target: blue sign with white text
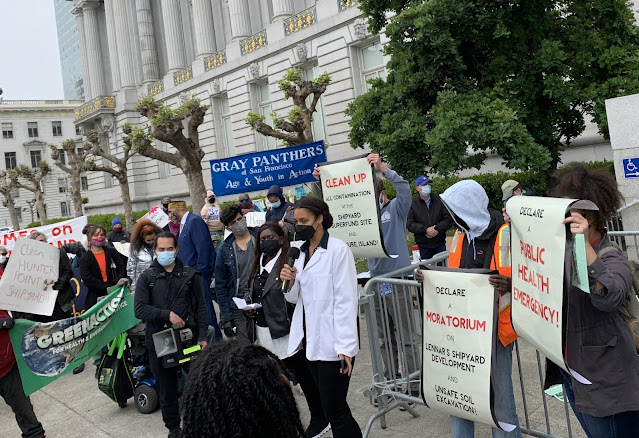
x: 286, y: 166
x: 631, y: 167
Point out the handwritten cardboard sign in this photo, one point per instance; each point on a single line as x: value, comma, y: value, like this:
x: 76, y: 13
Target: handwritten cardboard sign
x: 348, y: 187
x: 157, y: 216
x: 27, y: 282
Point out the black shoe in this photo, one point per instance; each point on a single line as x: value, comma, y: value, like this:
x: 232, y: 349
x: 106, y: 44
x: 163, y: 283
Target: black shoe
x: 79, y: 369
x: 175, y: 433
x: 317, y: 428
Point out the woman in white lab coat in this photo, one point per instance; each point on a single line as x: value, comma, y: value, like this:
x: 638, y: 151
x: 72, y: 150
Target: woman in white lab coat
x: 323, y: 285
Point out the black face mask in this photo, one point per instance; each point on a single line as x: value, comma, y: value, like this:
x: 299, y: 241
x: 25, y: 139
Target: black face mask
x: 166, y: 206
x: 304, y: 232
x: 270, y: 247
x: 245, y: 202
x: 212, y: 200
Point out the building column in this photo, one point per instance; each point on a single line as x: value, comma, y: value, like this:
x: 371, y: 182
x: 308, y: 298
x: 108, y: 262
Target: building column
x: 148, y: 50
x: 203, y: 28
x: 94, y: 53
x: 113, y: 45
x: 86, y: 83
x: 125, y: 51
x: 240, y: 19
x: 175, y: 49
x: 282, y: 9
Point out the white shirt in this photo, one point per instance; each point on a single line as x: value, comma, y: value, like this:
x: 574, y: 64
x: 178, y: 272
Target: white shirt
x: 183, y: 221
x: 326, y: 292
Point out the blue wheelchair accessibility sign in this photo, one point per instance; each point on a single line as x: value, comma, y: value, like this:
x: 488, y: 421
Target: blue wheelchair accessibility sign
x: 631, y: 167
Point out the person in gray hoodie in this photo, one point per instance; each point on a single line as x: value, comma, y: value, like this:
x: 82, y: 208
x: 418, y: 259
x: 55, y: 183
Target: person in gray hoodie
x: 467, y: 203
x: 394, y: 313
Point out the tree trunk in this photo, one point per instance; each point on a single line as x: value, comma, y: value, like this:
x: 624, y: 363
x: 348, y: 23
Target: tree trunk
x: 41, y: 210
x: 126, y: 199
x: 12, y: 211
x: 195, y: 180
x: 76, y: 185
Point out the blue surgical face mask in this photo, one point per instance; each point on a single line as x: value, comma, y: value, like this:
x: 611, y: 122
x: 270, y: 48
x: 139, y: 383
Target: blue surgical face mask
x: 166, y: 258
x: 276, y: 204
x: 426, y: 190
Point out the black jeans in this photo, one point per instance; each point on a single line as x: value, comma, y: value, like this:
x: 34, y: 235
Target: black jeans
x: 167, y: 386
x: 333, y: 387
x: 298, y: 365
x: 13, y: 394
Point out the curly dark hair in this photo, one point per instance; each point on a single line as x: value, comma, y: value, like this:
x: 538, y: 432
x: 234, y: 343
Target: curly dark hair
x: 230, y: 213
x: 237, y: 391
x: 277, y: 229
x: 318, y: 207
x: 576, y: 180
x: 141, y: 229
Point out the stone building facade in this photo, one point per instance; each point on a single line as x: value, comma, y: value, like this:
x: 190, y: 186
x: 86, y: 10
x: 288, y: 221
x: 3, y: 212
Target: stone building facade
x: 28, y: 127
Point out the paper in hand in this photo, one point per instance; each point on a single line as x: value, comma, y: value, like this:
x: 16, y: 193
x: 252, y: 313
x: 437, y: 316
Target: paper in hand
x: 242, y: 305
x: 579, y: 263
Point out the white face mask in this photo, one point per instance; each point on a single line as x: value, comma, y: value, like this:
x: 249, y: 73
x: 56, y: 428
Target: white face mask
x: 3, y: 258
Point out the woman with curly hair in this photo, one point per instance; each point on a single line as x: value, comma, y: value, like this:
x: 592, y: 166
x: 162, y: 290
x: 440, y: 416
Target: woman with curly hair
x: 237, y: 390
x: 141, y: 249
x: 323, y: 285
x: 599, y: 344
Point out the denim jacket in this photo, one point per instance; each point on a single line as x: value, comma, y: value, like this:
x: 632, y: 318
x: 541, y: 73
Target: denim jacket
x: 226, y: 281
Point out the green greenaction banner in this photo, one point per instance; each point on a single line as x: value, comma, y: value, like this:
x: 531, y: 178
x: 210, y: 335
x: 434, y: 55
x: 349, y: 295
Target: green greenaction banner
x: 46, y: 351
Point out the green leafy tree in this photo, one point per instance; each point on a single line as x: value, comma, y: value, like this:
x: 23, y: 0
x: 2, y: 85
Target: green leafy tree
x: 74, y: 165
x: 6, y: 189
x: 469, y: 78
x: 297, y: 127
x: 32, y: 181
x: 167, y: 125
x: 120, y: 173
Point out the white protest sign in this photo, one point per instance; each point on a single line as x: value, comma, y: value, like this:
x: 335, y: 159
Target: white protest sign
x: 348, y: 187
x: 157, y: 216
x: 459, y: 334
x: 538, y: 249
x: 255, y: 219
x: 123, y: 248
x: 57, y: 234
x: 26, y: 284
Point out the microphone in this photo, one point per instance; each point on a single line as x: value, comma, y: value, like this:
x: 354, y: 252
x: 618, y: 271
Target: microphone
x: 293, y: 254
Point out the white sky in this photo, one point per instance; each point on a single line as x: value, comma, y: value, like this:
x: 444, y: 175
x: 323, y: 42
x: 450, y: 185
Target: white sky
x: 29, y: 54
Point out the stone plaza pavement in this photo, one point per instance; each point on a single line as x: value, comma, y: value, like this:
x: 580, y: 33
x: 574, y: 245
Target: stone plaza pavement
x: 73, y: 407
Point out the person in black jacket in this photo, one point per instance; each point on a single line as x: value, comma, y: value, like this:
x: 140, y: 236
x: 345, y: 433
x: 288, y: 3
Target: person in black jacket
x: 100, y: 267
x: 428, y: 220
x: 170, y: 293
x: 272, y: 322
x: 279, y: 204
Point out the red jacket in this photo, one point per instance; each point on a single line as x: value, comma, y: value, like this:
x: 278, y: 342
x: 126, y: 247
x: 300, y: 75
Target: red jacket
x: 7, y: 358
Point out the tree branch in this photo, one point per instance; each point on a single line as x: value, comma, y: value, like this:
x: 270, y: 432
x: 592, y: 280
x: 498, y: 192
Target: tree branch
x: 267, y: 130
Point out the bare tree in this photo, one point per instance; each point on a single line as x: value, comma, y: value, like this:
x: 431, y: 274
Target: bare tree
x: 120, y: 173
x: 297, y: 128
x: 74, y: 165
x: 6, y: 188
x: 167, y: 125
x: 33, y: 183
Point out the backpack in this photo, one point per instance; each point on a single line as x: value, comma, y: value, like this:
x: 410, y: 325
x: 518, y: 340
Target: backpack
x: 629, y: 313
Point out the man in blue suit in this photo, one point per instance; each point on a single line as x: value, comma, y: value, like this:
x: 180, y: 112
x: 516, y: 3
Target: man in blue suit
x: 196, y: 250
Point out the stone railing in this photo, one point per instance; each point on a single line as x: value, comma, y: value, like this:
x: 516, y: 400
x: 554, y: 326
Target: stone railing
x: 345, y: 4
x: 155, y: 87
x: 253, y: 42
x: 39, y: 102
x: 182, y: 76
x: 300, y: 21
x: 215, y: 60
x: 94, y: 106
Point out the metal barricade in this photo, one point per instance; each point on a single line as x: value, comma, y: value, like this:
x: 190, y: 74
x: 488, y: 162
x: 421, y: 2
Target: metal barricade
x: 628, y: 242
x: 391, y: 305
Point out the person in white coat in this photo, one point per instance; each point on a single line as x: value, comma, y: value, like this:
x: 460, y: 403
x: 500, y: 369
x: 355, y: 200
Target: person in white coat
x: 323, y: 285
